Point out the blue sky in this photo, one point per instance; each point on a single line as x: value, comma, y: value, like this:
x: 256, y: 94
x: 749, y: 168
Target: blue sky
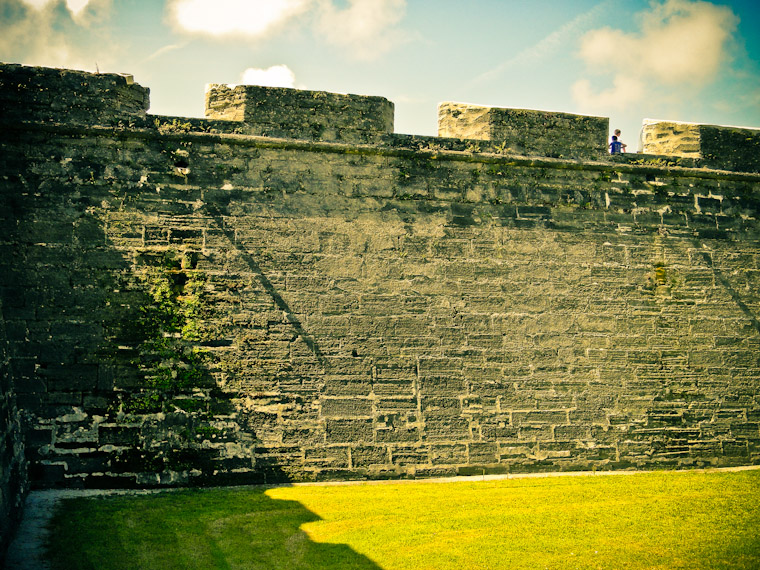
x: 683, y: 60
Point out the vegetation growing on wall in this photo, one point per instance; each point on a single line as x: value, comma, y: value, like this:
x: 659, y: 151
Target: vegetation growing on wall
x: 172, y: 359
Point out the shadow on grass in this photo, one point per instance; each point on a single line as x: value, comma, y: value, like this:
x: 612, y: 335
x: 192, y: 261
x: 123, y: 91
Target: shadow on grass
x: 233, y: 528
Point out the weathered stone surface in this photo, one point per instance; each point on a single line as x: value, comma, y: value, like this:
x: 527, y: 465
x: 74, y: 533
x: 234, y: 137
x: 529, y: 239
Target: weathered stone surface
x: 64, y: 96
x: 671, y: 138
x: 291, y: 113
x: 727, y: 148
x: 14, y: 481
x: 185, y: 305
x: 524, y: 131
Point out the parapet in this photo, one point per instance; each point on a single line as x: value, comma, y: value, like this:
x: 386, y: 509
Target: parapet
x: 523, y: 131
x: 724, y: 148
x: 300, y: 114
x: 61, y: 95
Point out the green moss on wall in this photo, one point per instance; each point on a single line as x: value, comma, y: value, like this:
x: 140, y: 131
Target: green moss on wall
x: 173, y: 325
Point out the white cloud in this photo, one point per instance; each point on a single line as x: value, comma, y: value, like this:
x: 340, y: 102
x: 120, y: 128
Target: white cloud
x: 78, y: 8
x: 680, y: 42
x: 89, y: 13
x: 624, y: 92
x: 252, y: 18
x: 39, y: 32
x: 275, y: 76
x: 366, y: 27
x: 37, y: 4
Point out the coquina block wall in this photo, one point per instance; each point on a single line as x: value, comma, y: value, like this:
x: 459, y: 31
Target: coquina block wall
x: 14, y: 482
x: 301, y: 294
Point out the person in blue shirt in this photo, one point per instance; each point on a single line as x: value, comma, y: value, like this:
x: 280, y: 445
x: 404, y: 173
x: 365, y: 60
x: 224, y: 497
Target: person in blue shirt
x: 616, y: 147
x: 617, y: 134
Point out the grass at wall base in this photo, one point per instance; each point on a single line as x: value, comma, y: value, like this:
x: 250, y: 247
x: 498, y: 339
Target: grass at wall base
x: 648, y: 520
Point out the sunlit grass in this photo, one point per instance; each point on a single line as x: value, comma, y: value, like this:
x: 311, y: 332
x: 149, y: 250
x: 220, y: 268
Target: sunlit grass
x: 652, y: 520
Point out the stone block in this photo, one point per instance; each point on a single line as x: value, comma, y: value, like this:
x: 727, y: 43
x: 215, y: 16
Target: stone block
x: 524, y: 131
x: 498, y: 431
x: 346, y: 407
x: 448, y: 453
x: 540, y: 417
x: 348, y: 385
x: 294, y: 113
x: 118, y: 435
x: 482, y: 452
x: 48, y: 474
x: 367, y: 456
x: 349, y: 431
x: 571, y: 432
x: 719, y: 147
x: 332, y: 457
x: 446, y: 427
x: 61, y: 95
x: 397, y: 434
x: 409, y: 455
x: 536, y: 433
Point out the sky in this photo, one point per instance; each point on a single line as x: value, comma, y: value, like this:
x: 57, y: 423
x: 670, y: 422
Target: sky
x: 682, y: 60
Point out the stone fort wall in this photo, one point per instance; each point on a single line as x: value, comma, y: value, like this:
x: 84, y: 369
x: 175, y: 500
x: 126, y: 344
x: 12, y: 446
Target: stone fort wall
x: 14, y: 482
x: 301, y: 294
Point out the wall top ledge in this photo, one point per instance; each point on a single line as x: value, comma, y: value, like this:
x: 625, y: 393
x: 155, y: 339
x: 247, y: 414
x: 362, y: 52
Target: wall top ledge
x: 70, y: 97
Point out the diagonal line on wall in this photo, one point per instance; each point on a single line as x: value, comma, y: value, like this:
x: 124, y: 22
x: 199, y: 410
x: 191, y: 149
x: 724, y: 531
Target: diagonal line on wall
x: 266, y: 283
x: 728, y: 287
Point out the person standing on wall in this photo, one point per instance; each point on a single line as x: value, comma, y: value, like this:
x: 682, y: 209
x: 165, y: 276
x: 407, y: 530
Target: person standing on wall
x: 616, y: 147
x: 623, y: 146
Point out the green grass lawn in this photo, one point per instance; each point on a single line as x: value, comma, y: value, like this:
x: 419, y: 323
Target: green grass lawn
x: 649, y: 520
